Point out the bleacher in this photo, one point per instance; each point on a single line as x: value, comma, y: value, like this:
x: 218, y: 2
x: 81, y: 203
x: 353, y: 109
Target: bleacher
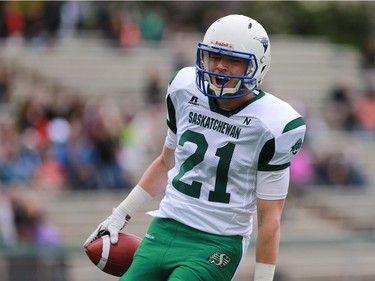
x: 326, y: 235
x: 90, y: 66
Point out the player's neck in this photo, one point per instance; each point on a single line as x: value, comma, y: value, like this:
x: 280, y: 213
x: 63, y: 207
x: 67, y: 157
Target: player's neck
x: 230, y: 104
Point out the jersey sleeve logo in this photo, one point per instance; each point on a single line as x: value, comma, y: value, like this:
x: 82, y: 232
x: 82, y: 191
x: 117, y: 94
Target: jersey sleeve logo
x: 296, y: 147
x: 194, y: 100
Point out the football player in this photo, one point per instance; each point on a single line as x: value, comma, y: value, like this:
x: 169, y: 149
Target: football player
x: 226, y: 158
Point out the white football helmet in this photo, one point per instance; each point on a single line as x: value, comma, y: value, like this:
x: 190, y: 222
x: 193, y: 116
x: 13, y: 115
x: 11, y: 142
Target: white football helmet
x: 235, y: 36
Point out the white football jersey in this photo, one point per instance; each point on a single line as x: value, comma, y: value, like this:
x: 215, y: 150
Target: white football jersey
x: 218, y: 154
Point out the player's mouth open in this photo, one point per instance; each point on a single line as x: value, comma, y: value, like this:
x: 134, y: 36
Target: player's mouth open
x: 221, y: 81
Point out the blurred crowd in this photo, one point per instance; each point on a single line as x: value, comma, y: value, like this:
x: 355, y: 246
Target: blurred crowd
x: 54, y: 138
x: 124, y: 23
x: 43, y: 23
x: 39, y: 22
x: 350, y: 111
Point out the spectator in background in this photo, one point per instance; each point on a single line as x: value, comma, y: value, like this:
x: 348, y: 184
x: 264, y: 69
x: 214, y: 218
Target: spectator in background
x: 32, y: 113
x: 32, y: 225
x: 333, y: 169
x: 52, y: 19
x: 17, y: 161
x: 4, y: 84
x: 369, y: 63
x: 14, y: 19
x: 21, y: 218
x: 71, y: 16
x: 339, y: 108
x: 129, y: 32
x: 154, y: 93
x: 50, y: 173
x: 35, y: 34
x: 78, y: 158
x: 118, y: 23
x: 102, y: 11
x: 43, y: 232
x: 104, y: 128
x: 152, y: 24
x: 364, y: 112
x: 8, y: 233
x: 369, y: 55
x: 138, y: 149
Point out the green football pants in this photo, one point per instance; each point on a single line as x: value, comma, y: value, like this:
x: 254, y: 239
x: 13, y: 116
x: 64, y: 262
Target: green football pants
x: 175, y: 252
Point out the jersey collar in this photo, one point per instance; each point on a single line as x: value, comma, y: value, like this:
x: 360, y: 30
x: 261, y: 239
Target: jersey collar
x: 228, y: 113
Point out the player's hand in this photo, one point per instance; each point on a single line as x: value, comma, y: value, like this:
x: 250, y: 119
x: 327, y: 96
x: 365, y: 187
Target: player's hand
x: 112, y: 226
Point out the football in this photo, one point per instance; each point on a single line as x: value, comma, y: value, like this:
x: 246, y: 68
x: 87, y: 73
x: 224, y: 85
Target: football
x: 113, y: 259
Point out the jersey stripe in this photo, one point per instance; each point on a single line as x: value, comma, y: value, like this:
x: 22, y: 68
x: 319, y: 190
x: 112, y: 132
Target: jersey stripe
x: 266, y: 154
x: 294, y: 124
x: 270, y: 168
x: 171, y: 122
x: 173, y: 77
x: 265, y: 157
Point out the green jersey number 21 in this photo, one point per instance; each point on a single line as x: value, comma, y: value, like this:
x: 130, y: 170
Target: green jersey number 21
x: 225, y: 153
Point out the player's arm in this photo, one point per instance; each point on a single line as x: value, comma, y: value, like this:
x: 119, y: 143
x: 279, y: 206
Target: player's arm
x: 268, y: 239
x: 152, y: 183
x: 272, y: 188
x: 154, y: 180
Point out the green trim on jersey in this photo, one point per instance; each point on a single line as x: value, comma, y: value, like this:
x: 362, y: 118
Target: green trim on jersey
x: 171, y: 122
x: 173, y: 77
x: 228, y: 113
x: 271, y: 168
x: 265, y: 157
x: 294, y: 124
